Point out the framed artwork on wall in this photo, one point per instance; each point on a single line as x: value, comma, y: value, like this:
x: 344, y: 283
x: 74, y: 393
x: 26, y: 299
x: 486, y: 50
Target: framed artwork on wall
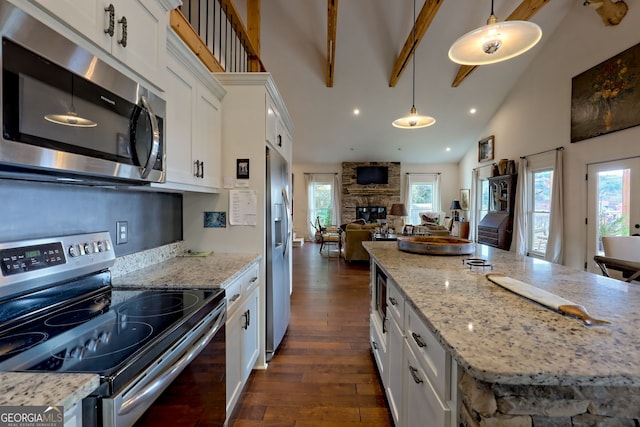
x: 242, y: 168
x: 485, y: 149
x: 464, y: 198
x: 604, y: 98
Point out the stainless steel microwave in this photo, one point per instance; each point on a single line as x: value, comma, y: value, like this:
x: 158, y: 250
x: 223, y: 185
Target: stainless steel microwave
x: 67, y: 115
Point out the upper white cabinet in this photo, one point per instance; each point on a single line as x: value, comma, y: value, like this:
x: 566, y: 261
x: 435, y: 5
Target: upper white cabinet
x: 193, y: 129
x: 132, y: 31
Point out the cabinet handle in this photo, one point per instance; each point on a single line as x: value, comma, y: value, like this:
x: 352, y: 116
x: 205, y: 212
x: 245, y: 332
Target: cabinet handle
x: 414, y: 374
x: 279, y: 140
x: 202, y: 169
x: 253, y: 279
x: 197, y: 168
x: 244, y: 320
x: 123, y: 40
x: 393, y: 301
x: 248, y: 318
x: 418, y: 339
x: 112, y: 20
x: 235, y: 297
x: 374, y: 344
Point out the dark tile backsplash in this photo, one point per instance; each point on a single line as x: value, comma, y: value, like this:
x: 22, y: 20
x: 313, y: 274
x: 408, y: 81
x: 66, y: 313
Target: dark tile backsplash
x: 35, y: 209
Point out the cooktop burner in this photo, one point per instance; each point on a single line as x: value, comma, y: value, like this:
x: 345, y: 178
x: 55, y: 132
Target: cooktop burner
x: 16, y: 343
x: 168, y: 302
x: 477, y: 263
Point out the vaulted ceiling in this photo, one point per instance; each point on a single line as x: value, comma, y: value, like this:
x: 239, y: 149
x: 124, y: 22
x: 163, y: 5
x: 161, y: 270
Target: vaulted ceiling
x: 369, y: 39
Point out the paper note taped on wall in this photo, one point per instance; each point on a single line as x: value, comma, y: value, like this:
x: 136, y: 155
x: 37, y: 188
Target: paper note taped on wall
x: 243, y: 207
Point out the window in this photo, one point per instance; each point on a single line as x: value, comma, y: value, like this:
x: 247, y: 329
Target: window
x: 423, y: 195
x: 540, y: 203
x: 320, y: 197
x: 484, y: 199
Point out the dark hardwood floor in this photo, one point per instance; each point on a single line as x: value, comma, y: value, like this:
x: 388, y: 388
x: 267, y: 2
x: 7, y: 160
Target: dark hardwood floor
x: 323, y: 373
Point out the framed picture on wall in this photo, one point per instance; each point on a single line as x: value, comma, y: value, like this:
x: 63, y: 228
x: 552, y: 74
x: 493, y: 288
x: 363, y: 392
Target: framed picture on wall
x: 242, y: 171
x: 485, y: 149
x: 464, y: 199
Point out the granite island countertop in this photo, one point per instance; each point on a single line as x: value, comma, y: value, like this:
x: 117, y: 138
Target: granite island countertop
x: 500, y: 337
x: 212, y: 271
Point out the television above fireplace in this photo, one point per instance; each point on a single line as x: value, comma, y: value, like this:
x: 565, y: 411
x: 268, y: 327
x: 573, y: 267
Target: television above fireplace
x: 366, y: 175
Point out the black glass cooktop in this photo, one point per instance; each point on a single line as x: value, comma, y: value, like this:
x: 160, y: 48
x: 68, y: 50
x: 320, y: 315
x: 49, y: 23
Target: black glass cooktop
x: 98, y: 329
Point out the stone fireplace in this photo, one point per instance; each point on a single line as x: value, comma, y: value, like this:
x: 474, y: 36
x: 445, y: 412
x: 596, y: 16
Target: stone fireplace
x: 355, y: 195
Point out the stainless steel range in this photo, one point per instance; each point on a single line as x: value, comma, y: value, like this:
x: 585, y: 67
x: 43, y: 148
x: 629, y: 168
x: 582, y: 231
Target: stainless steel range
x: 59, y: 313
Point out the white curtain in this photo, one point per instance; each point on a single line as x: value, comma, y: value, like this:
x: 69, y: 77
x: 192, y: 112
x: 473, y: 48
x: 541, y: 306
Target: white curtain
x: 336, y: 209
x: 555, y: 243
x: 521, y: 211
x: 311, y: 208
x: 437, y: 201
x: 406, y: 195
x: 473, y: 204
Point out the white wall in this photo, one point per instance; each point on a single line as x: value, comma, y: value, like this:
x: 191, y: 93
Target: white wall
x: 536, y: 115
x: 450, y: 189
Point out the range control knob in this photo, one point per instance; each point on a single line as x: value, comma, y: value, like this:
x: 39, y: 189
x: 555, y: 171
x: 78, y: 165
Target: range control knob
x: 77, y: 353
x: 74, y: 251
x: 88, y: 248
x: 91, y: 344
x: 101, y: 247
x: 104, y: 337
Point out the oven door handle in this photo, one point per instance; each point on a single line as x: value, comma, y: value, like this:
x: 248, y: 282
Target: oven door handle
x: 169, y: 375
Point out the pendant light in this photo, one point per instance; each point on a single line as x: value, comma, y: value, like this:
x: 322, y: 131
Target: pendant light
x: 495, y: 42
x: 413, y: 120
x: 71, y: 118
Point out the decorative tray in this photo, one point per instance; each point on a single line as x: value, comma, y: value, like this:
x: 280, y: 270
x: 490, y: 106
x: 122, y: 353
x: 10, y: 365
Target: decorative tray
x: 436, y: 245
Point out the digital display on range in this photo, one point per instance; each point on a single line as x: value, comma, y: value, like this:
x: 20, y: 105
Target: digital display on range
x: 29, y: 258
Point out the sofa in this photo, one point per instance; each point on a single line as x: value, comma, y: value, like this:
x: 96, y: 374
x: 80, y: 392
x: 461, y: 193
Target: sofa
x: 352, y: 237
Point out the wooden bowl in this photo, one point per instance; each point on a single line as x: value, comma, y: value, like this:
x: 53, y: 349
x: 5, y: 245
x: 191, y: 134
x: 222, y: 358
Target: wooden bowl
x: 436, y: 245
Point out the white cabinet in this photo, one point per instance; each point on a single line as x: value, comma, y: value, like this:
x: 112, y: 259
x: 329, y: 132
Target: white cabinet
x: 193, y: 129
x: 418, y: 375
x: 395, y: 350
x: 277, y: 133
x: 73, y: 416
x: 132, y: 31
x: 242, y: 332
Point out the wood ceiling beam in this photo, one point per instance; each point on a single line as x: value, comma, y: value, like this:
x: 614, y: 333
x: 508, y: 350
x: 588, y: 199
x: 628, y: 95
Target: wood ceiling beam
x: 332, y: 23
x: 423, y: 21
x: 525, y: 11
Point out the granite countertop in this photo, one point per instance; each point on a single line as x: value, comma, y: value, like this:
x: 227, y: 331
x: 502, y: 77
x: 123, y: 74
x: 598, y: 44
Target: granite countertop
x: 25, y: 388
x: 213, y: 271
x: 500, y: 337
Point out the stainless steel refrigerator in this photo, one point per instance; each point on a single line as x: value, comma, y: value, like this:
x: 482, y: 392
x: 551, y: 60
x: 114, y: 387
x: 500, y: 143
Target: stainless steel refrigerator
x: 278, y: 272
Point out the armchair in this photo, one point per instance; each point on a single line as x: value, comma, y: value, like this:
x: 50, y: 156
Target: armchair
x: 352, y: 238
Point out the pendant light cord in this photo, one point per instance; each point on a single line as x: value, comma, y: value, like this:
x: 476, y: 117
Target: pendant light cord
x: 492, y: 7
x: 413, y: 99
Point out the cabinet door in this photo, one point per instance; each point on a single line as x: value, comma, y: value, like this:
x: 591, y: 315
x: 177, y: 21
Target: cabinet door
x: 271, y: 125
x: 233, y: 362
x: 395, y: 384
x: 208, y: 137
x: 146, y: 26
x: 85, y: 16
x: 250, y: 335
x: 180, y: 90
x: 422, y: 402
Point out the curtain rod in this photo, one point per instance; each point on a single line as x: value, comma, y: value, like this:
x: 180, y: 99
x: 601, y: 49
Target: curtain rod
x: 423, y: 173
x: 545, y: 151
x: 321, y: 173
x: 483, y: 166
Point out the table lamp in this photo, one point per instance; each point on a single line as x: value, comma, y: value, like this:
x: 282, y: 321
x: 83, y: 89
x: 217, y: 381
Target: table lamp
x: 455, y: 207
x: 399, y: 211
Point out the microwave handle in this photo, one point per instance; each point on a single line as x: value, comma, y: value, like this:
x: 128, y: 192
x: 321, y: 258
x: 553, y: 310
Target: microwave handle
x: 155, y: 145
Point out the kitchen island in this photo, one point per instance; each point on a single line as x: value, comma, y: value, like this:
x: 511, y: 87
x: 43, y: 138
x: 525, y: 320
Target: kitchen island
x: 517, y: 362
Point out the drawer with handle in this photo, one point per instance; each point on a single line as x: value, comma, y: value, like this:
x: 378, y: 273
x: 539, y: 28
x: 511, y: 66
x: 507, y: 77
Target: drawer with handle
x: 429, y: 352
x: 395, y: 302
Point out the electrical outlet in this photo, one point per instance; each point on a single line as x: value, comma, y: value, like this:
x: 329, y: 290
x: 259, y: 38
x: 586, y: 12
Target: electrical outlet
x: 122, y: 232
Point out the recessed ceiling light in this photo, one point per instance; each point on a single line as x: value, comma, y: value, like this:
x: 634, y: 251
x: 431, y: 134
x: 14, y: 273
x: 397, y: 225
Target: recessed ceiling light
x: 448, y: 148
x: 472, y: 111
x: 356, y: 112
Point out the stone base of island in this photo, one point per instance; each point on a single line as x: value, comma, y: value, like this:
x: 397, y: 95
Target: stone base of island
x: 479, y: 355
